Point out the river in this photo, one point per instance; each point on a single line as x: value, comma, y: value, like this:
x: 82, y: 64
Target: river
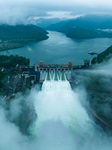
x: 60, y: 49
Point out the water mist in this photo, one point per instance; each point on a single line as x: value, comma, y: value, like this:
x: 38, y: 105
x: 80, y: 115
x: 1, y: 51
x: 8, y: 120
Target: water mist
x: 62, y: 122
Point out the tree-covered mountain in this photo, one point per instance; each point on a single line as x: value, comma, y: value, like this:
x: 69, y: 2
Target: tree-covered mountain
x: 56, y: 26
x: 19, y: 35
x: 44, y: 22
x: 104, y: 56
x: 90, y: 22
x: 83, y: 33
x: 22, y: 31
x: 11, y: 61
x: 8, y: 65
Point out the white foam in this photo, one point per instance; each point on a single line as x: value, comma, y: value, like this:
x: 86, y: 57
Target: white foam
x: 62, y: 122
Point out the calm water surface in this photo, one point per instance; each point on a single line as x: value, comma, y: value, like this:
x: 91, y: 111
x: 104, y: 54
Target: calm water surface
x: 60, y: 49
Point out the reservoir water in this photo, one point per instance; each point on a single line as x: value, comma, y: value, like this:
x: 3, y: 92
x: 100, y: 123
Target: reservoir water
x: 60, y: 49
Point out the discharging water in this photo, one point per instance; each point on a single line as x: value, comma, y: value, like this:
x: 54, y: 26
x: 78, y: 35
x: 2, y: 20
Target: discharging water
x: 63, y: 124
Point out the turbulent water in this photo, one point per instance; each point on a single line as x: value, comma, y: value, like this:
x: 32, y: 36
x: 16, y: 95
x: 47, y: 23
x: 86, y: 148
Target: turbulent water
x: 63, y: 124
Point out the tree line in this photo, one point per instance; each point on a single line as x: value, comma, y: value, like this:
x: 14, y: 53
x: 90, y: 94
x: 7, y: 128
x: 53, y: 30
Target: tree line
x: 8, y: 63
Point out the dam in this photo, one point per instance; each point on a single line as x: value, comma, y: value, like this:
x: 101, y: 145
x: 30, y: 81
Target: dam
x: 40, y: 71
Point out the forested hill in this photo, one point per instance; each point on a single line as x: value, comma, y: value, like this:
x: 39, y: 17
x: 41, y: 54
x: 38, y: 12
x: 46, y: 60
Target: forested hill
x: 104, y: 56
x: 88, y: 26
x: 22, y: 31
x: 19, y: 35
x: 9, y: 67
x: 56, y: 26
x: 89, y: 21
x: 83, y: 33
x: 9, y: 62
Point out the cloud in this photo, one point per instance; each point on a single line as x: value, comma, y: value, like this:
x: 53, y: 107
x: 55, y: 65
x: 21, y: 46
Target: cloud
x: 23, y: 11
x: 19, y: 15
x: 10, y: 134
x: 98, y: 88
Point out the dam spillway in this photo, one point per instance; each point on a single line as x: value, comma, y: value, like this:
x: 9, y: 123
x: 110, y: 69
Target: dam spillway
x: 37, y: 73
x: 55, y: 75
x: 59, y: 71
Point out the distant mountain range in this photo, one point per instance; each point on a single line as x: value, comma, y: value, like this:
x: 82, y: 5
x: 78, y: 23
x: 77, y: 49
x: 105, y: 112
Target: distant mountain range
x: 57, y: 26
x: 88, y: 25
x: 42, y: 22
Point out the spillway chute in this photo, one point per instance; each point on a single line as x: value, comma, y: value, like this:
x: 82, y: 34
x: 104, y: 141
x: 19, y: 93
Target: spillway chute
x: 48, y: 76
x: 55, y: 75
x: 63, y: 77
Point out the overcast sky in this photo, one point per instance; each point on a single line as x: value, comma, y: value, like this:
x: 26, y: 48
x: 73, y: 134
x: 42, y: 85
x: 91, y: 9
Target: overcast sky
x: 22, y: 11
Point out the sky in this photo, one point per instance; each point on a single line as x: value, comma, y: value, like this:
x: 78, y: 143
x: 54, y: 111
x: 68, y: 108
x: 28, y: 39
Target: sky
x: 24, y: 11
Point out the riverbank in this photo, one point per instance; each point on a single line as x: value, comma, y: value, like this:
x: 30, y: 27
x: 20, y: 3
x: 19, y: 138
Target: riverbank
x: 15, y: 43
x: 8, y: 46
x: 12, y: 37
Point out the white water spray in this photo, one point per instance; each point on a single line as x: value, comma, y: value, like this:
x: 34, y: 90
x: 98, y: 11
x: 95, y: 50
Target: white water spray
x: 62, y: 123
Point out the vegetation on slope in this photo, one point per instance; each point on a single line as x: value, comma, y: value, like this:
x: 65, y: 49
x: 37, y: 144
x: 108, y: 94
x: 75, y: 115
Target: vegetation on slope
x: 84, y: 26
x: 2, y: 76
x: 9, y: 63
x: 88, y: 21
x: 44, y: 22
x: 56, y: 26
x: 98, y: 87
x: 104, y: 56
x: 22, y: 31
x: 100, y: 96
x: 81, y: 33
x: 17, y: 36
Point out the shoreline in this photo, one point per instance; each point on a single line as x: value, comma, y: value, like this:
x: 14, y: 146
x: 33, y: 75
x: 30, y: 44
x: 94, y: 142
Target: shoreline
x: 16, y: 43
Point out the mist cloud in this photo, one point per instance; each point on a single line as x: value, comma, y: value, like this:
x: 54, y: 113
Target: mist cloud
x: 24, y: 12
x: 62, y: 122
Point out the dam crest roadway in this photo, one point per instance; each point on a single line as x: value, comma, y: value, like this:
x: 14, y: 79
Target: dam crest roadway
x: 40, y: 72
